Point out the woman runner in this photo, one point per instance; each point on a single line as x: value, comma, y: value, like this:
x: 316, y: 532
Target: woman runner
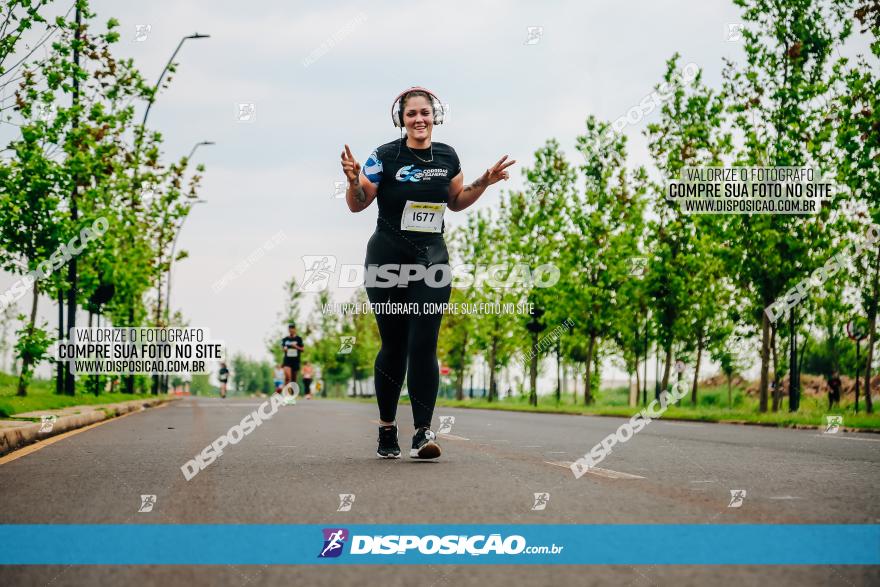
x: 414, y: 181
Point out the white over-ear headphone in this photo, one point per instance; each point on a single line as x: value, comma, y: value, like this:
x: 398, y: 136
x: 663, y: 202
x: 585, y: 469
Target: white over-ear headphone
x: 397, y: 106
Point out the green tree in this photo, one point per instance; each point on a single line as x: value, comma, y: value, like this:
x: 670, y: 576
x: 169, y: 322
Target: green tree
x: 535, y: 222
x: 683, y: 278
x: 772, y: 100
x: 601, y: 240
x: 857, y: 138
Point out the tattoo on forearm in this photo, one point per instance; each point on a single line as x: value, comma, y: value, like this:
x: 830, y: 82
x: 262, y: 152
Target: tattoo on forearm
x: 359, y: 194
x: 479, y: 183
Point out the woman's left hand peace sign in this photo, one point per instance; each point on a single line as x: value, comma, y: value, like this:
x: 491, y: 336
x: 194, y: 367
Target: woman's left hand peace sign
x: 499, y: 171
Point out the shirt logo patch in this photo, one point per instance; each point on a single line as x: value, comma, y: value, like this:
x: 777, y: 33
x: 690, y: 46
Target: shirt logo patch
x: 414, y: 174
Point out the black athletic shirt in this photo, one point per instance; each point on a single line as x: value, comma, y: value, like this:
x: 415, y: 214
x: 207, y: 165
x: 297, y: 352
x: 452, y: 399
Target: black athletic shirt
x: 401, y: 176
x: 288, y: 342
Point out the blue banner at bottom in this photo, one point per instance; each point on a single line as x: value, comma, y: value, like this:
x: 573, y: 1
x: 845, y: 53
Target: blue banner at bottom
x: 515, y: 544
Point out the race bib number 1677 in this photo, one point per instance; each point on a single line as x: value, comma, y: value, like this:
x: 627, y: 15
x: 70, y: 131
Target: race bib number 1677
x: 422, y: 216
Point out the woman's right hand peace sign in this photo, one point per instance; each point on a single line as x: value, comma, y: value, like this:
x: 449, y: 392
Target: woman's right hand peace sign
x: 350, y: 165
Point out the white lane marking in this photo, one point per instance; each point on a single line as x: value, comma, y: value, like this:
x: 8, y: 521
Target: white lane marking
x: 707, y: 481
x: 557, y: 452
x: 452, y: 436
x: 607, y: 473
x: 612, y: 474
x: 847, y: 437
x: 229, y: 405
x: 499, y: 440
x: 686, y: 424
x: 531, y: 446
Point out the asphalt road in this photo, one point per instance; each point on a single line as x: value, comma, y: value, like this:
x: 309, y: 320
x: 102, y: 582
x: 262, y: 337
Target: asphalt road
x: 292, y: 469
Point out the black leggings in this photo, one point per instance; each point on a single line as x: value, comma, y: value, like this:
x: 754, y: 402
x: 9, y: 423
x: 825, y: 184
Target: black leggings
x: 409, y: 341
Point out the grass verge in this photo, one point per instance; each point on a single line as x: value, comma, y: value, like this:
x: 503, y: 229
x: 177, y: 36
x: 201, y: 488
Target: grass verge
x: 41, y: 396
x: 712, y: 406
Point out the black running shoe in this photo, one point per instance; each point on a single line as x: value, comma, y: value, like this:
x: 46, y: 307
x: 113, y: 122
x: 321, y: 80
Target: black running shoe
x: 424, y: 446
x: 388, y: 447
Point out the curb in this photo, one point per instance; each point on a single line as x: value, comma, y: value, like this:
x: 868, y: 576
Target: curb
x: 668, y: 419
x: 790, y: 426
x: 15, y: 437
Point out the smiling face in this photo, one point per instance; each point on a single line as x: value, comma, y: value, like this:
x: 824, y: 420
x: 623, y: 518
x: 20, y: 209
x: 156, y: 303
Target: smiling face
x: 418, y: 117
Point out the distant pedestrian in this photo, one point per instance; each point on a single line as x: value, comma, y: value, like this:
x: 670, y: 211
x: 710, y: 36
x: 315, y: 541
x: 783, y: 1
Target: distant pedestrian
x: 224, y: 378
x: 278, y: 376
x: 308, y: 373
x: 834, y: 385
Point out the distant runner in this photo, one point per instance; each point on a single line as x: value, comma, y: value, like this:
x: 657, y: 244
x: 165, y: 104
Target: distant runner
x: 292, y: 345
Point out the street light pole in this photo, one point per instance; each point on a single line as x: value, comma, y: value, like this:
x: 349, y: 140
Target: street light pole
x: 196, y: 146
x: 164, y: 71
x: 67, y: 379
x: 129, y: 382
x: 143, y: 128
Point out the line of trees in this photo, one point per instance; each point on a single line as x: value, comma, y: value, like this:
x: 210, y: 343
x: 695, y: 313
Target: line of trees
x: 74, y: 154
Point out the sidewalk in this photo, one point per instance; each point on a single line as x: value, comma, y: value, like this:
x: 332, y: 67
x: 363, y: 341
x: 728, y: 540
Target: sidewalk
x: 23, y: 430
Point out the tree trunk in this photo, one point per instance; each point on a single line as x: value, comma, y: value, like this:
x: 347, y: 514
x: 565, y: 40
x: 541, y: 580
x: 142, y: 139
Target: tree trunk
x: 697, y: 370
x: 634, y: 393
x: 564, y: 379
x: 588, y: 390
x: 69, y: 381
x: 666, y: 367
x: 872, y: 333
x: 485, y: 381
x: 645, y: 378
x: 657, y: 378
x: 129, y: 379
x: 678, y: 377
x: 461, y: 361
x: 558, y: 375
x: 765, y: 361
x: 856, y: 389
x: 775, y: 356
x: 26, y: 359
x: 533, y: 373
x: 59, y: 370
x: 93, y: 380
x: 493, y: 364
x: 459, y: 382
x: 794, y: 384
x: 159, y: 323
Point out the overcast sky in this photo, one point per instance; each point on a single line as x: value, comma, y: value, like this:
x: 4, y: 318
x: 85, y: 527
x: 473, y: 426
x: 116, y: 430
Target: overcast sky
x: 277, y: 172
